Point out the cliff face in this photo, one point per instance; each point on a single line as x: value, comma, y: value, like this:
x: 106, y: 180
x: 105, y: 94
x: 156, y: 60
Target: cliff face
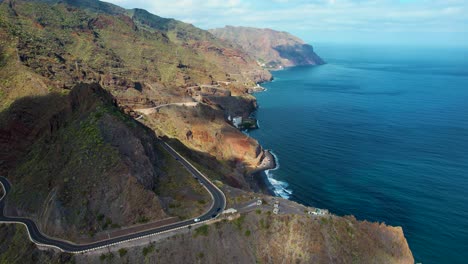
x: 238, y: 153
x: 273, y: 49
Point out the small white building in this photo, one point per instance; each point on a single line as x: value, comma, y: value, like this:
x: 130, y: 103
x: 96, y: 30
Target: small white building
x: 318, y: 211
x: 237, y: 121
x: 259, y: 202
x: 276, y: 210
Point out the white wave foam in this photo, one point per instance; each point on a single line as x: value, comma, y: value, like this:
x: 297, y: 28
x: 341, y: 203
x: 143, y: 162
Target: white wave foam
x: 279, y: 187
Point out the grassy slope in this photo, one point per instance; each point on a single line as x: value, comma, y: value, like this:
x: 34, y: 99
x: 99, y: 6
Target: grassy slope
x: 184, y: 196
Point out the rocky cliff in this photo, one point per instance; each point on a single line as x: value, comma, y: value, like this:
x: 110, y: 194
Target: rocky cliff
x: 74, y: 76
x: 273, y: 49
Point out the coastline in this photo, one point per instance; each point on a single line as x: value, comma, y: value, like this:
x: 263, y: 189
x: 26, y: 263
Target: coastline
x: 260, y: 180
x: 260, y: 177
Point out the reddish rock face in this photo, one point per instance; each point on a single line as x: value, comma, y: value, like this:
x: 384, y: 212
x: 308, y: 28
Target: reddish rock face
x: 203, y: 129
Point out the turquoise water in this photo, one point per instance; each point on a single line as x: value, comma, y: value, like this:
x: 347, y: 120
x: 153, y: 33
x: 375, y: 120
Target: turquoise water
x: 380, y: 133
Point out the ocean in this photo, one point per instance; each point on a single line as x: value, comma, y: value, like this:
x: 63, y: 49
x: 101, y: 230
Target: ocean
x: 379, y: 132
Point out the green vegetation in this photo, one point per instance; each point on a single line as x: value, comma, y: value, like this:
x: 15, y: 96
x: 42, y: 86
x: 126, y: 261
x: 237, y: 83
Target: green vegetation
x: 77, y: 147
x: 264, y: 224
x: 17, y: 245
x: 238, y: 222
x: 100, y: 217
x: 189, y: 198
x: 247, y: 233
x: 258, y: 211
x: 3, y: 58
x: 16, y: 248
x: 142, y: 219
x: 109, y: 257
x: 323, y: 220
x: 200, y: 255
x: 201, y: 231
x: 122, y: 252
x: 107, y: 223
x: 148, y: 250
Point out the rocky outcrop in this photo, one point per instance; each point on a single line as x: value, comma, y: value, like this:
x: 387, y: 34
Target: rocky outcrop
x: 273, y: 49
x: 204, y: 129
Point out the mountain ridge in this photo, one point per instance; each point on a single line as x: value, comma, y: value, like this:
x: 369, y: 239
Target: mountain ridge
x: 273, y: 49
x: 73, y: 73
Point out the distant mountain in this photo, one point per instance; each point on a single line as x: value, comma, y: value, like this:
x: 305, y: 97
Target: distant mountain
x: 273, y: 49
x: 74, y: 76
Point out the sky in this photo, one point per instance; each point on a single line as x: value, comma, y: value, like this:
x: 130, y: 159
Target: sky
x: 412, y: 22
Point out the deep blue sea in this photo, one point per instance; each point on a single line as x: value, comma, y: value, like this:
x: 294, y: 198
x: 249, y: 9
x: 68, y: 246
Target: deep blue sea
x: 380, y: 133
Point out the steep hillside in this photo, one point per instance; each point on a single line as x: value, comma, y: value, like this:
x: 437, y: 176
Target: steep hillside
x: 127, y: 51
x: 79, y: 166
x: 273, y: 49
x: 143, y: 60
x: 74, y: 76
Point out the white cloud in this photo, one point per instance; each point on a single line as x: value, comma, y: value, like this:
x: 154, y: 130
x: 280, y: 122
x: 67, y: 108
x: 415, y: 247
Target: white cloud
x: 317, y: 15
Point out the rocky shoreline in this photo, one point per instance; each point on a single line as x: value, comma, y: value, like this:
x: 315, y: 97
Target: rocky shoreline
x: 261, y: 177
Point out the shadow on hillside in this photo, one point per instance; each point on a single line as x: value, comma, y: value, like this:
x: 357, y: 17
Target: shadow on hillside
x: 215, y: 169
x: 23, y: 122
x: 33, y: 117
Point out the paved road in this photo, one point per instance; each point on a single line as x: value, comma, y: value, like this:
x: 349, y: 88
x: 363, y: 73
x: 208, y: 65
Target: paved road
x: 218, y: 205
x: 151, y: 110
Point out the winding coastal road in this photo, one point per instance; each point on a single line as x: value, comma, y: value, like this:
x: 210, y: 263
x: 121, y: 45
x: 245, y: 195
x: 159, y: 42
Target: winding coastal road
x: 151, y: 110
x: 218, y: 205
